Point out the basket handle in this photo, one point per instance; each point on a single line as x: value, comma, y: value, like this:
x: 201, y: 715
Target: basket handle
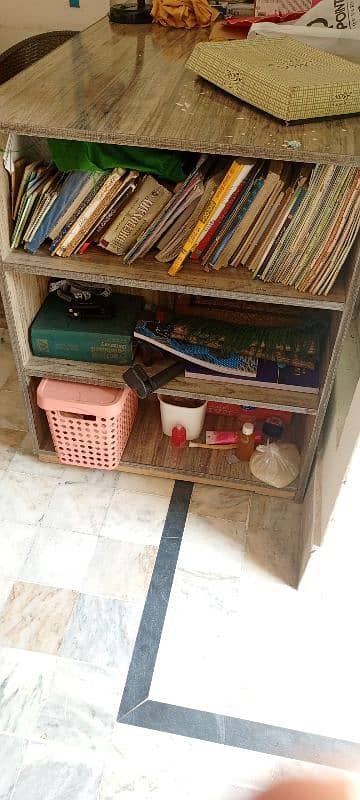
x: 80, y: 415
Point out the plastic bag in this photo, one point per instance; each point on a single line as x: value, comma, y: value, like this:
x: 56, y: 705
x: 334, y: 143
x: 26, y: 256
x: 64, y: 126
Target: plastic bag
x: 275, y: 464
x: 329, y: 25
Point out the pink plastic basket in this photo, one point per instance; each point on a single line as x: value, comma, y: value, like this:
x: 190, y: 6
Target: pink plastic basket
x: 89, y: 425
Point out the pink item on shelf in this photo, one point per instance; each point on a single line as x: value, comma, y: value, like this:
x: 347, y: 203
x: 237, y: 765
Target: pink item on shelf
x: 221, y: 437
x: 90, y: 425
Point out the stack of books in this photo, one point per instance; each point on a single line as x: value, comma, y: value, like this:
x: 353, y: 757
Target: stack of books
x: 285, y: 222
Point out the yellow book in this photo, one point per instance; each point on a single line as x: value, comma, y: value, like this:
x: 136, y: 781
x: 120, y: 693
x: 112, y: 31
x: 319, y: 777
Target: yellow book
x: 236, y: 172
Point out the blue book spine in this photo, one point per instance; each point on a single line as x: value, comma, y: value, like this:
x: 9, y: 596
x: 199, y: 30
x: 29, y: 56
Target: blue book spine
x: 72, y: 186
x: 256, y: 188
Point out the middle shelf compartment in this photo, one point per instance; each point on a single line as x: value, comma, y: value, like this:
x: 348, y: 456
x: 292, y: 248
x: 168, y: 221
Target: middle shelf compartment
x: 27, y: 293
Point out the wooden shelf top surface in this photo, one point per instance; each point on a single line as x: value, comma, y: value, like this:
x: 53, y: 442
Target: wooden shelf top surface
x: 219, y: 391
x: 147, y: 273
x: 129, y: 85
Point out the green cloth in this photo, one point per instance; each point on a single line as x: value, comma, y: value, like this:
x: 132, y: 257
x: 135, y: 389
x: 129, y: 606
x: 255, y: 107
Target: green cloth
x: 92, y: 156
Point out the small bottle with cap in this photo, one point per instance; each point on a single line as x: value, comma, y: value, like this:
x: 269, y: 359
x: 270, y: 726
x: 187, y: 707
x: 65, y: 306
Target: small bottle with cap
x: 246, y: 442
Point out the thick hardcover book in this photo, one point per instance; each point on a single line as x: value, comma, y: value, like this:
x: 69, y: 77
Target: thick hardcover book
x: 148, y: 200
x: 54, y: 334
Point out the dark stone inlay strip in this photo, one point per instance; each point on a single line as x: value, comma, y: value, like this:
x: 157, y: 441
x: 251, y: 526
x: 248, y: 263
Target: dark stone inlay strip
x: 248, y: 735
x: 137, y: 710
x: 152, y: 622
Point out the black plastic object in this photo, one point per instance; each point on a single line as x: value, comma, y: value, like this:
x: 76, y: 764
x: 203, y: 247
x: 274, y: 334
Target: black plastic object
x: 130, y: 16
x: 273, y: 427
x: 88, y: 310
x: 143, y: 384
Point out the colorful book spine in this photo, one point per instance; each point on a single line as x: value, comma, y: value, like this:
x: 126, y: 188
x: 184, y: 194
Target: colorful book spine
x: 218, y: 258
x: 85, y: 221
x: 98, y: 182
x: 236, y: 172
x: 70, y: 188
x: 204, y: 242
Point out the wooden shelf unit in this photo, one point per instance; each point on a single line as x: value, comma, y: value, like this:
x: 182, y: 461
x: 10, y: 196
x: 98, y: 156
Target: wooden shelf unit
x: 133, y: 88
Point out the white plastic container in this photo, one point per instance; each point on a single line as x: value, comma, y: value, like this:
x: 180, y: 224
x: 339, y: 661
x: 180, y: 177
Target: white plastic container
x: 174, y: 412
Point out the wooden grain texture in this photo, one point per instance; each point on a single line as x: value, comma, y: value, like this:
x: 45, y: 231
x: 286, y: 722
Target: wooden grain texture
x: 147, y: 273
x: 26, y: 294
x: 338, y: 332
x: 129, y: 85
x: 149, y: 452
x: 35, y: 419
x: 107, y: 375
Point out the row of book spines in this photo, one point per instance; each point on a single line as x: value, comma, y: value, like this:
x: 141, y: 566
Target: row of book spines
x: 220, y: 209
x: 235, y: 174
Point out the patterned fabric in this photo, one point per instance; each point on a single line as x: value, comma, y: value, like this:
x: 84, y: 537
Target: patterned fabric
x: 223, y: 343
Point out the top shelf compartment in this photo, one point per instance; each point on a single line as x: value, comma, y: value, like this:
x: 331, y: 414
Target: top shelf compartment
x: 129, y: 85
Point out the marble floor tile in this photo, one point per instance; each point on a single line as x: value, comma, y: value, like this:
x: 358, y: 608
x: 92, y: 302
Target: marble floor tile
x: 200, y: 654
x: 272, y: 555
x: 16, y: 540
x: 12, y: 752
x: 58, y: 772
x: 212, y: 546
x: 253, y: 651
x: 5, y: 588
x: 12, y: 410
x: 35, y: 617
x: 81, y: 707
x: 274, y: 513
x: 135, y: 517
x: 10, y: 440
x: 24, y: 684
x: 120, y: 569
x: 105, y: 478
x: 58, y: 558
x: 214, y: 501
x: 30, y: 464
x: 179, y: 768
x: 23, y: 499
x: 146, y: 484
x: 78, y: 507
x: 102, y: 631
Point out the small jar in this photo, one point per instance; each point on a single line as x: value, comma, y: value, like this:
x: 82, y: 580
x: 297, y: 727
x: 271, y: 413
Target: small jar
x: 246, y: 442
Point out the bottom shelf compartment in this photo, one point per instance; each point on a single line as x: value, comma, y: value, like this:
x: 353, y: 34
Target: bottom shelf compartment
x: 149, y: 452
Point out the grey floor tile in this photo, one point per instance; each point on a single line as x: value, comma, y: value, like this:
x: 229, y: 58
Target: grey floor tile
x: 16, y: 539
x: 12, y: 751
x: 57, y: 772
x: 102, y: 631
x: 81, y: 706
x: 23, y: 499
x: 24, y: 683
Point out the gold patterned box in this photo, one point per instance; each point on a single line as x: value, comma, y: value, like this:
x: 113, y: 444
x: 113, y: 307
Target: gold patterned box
x: 282, y: 76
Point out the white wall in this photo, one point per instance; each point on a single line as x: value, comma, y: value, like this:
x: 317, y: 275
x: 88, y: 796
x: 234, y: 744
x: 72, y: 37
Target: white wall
x: 19, y: 19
